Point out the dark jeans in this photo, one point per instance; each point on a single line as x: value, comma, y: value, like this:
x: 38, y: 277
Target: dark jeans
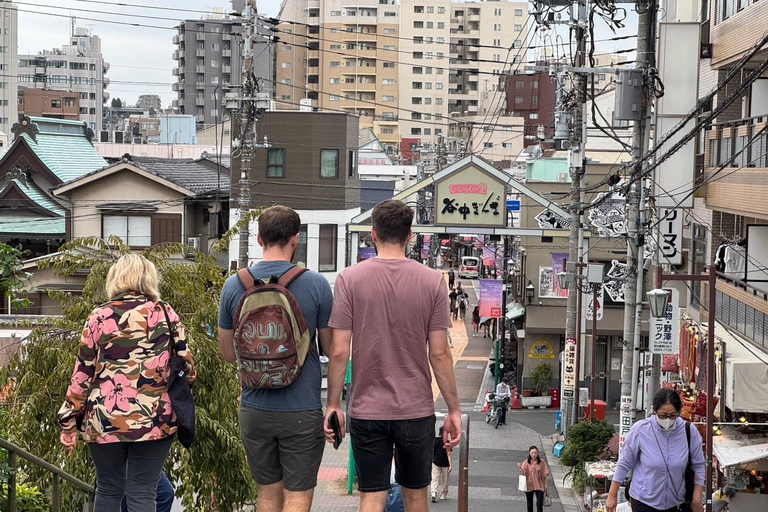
x: 639, y: 506
x: 130, y: 470
x: 503, y: 414
x: 165, y: 495
x: 539, y: 500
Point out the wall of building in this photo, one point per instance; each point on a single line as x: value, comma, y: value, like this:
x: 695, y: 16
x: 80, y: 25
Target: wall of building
x: 45, y: 103
x: 9, y: 61
x: 178, y: 130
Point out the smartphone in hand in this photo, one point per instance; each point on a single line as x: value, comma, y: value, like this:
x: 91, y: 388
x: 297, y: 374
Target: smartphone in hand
x: 334, y: 422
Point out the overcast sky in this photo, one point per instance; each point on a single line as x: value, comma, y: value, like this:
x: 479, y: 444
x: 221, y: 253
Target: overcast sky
x: 143, y: 54
x: 136, y: 54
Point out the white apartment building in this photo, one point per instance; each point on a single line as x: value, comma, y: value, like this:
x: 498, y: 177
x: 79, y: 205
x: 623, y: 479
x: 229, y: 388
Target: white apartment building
x: 9, y: 30
x: 78, y: 67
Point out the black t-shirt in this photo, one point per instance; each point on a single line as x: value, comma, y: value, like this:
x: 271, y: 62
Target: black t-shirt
x: 440, y: 458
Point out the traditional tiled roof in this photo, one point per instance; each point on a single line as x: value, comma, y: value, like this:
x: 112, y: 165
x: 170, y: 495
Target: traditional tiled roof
x: 54, y: 225
x: 64, y: 147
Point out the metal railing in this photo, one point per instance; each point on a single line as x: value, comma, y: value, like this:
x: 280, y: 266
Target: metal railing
x: 464, y: 465
x: 57, y: 474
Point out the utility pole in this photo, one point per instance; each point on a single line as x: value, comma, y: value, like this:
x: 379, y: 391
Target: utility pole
x: 576, y: 169
x: 251, y: 106
x: 635, y: 238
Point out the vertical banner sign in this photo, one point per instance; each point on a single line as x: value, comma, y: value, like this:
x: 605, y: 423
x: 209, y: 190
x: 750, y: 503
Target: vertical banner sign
x: 490, y: 298
x: 589, y: 304
x: 569, y: 370
x: 625, y: 420
x: 671, y: 229
x: 665, y: 332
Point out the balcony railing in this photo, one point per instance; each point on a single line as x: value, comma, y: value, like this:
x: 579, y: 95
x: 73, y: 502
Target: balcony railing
x: 733, y: 138
x: 743, y: 309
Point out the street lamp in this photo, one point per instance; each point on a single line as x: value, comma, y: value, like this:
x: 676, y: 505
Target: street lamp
x: 562, y: 280
x: 658, y: 300
x: 529, y: 290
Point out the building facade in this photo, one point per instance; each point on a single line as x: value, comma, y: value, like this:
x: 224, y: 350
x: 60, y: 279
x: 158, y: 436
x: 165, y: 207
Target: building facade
x: 208, y: 56
x: 77, y: 67
x: 46, y: 103
x: 532, y: 97
x: 9, y: 61
x: 149, y: 101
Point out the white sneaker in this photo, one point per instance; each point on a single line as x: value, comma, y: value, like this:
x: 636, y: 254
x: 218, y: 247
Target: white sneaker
x: 434, y: 498
x: 443, y: 497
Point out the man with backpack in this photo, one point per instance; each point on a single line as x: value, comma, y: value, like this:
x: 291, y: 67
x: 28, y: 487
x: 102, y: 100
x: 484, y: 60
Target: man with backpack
x: 269, y: 319
x: 397, y: 311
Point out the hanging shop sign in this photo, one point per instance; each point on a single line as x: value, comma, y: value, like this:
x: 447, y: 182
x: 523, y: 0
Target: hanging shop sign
x: 616, y: 285
x: 591, y: 307
x: 671, y: 236
x: 625, y: 419
x: 490, y: 298
x: 608, y: 216
x: 541, y: 349
x: 664, y: 332
x: 550, y: 220
x: 470, y: 197
x: 569, y: 370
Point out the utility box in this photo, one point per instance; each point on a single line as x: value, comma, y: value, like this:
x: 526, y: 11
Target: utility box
x: 629, y: 95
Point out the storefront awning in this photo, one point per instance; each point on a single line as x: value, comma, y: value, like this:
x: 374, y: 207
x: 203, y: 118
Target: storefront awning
x: 733, y: 449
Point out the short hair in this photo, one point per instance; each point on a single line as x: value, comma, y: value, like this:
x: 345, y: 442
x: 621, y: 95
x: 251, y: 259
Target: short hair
x: 392, y: 221
x: 666, y: 396
x: 133, y: 273
x: 278, y: 224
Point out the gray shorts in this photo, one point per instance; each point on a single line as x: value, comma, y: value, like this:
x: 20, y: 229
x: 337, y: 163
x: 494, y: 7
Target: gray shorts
x: 283, y: 447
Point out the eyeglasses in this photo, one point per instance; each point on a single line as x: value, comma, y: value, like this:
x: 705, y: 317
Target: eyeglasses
x: 667, y: 416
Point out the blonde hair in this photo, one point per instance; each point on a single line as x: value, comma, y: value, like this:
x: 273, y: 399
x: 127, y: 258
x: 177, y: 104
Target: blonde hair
x: 133, y: 273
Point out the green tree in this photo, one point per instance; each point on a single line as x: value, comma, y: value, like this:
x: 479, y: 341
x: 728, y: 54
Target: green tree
x: 213, y: 475
x: 12, y: 276
x: 117, y: 103
x: 587, y: 442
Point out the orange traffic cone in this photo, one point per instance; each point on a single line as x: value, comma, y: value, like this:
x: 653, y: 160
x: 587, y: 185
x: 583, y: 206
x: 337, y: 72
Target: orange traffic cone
x: 516, y: 403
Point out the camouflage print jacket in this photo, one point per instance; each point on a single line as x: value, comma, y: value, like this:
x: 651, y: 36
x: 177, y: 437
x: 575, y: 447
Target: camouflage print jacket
x: 119, y: 390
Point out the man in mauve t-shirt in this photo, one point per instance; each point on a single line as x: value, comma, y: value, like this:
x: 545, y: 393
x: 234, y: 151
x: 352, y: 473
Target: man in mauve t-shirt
x: 397, y: 312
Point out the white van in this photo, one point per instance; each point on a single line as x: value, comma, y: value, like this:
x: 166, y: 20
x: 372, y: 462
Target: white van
x: 469, y: 268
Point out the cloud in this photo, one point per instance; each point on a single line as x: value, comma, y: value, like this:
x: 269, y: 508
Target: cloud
x: 136, y: 53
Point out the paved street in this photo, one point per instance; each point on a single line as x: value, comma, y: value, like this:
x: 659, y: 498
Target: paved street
x: 493, y: 454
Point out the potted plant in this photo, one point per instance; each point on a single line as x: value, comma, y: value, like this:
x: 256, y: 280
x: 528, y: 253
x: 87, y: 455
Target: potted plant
x: 541, y: 382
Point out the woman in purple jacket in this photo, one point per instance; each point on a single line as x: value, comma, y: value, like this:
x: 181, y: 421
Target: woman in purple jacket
x: 656, y: 451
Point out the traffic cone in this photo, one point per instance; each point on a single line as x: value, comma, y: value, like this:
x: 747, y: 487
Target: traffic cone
x: 487, y: 405
x: 516, y: 403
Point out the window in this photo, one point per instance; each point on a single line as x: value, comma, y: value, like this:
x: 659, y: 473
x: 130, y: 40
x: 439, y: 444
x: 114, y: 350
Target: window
x: 417, y: 70
x: 506, y: 145
x: 418, y: 24
x: 441, y: 10
x: 388, y: 81
x: 418, y: 40
x: 439, y: 55
x: 285, y: 97
x: 390, y: 31
x: 286, y: 65
x: 214, y: 80
x: 519, y: 84
x: 351, y: 13
x: 535, y: 85
x: 533, y: 115
x: 428, y: 55
x: 55, y: 103
x: 427, y: 85
x: 136, y: 231
x: 335, y: 47
x: 276, y: 163
x: 430, y: 9
x: 352, y: 163
x: 335, y: 64
x: 427, y: 101
x: 335, y: 13
x: 430, y: 24
x: 300, y: 257
x: 488, y: 145
x: 333, y: 97
x: 390, y: 48
x: 69, y: 103
x: 415, y: 131
x: 84, y: 110
x: 387, y: 131
x: 215, y: 47
x: 390, y: 14
x: 518, y: 100
x: 518, y: 12
x: 440, y: 25
x: 388, y: 99
x: 418, y: 55
x: 327, y: 257
x: 415, y: 85
x: 286, y: 81
x: 699, y: 249
x: 534, y: 100
x: 428, y: 70
x: 415, y: 101
x: 389, y: 64
x: 439, y: 101
x: 329, y: 163
x: 418, y: 9
x: 214, y: 63
x: 518, y: 28
x: 416, y: 116
x: 335, y: 81
x: 440, y: 40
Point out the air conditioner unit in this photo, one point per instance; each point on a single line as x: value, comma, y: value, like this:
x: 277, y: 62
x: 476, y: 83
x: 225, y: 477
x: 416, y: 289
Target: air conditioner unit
x: 137, y: 140
x: 194, y: 242
x: 117, y: 137
x: 562, y: 177
x: 104, y: 136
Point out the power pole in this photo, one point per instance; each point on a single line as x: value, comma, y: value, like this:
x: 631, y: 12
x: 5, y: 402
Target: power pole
x: 635, y: 239
x: 576, y: 169
x: 251, y: 107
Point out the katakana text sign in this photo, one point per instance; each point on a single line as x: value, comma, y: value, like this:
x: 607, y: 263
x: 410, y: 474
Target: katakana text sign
x: 471, y: 197
x: 665, y: 332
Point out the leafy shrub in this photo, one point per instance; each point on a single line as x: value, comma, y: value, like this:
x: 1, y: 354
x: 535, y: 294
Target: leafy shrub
x: 586, y: 442
x: 541, y: 379
x: 28, y: 499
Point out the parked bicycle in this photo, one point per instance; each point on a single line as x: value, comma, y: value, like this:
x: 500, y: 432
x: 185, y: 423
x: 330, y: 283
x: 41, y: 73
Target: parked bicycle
x: 495, y: 407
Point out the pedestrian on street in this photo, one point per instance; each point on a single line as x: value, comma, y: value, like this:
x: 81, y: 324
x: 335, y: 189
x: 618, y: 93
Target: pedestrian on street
x: 454, y: 304
x: 441, y: 468
x: 118, y: 397
x: 392, y: 409
x: 665, y: 441
x: 475, y: 321
x: 503, y: 391
x: 451, y: 279
x: 282, y: 427
x: 463, y: 305
x: 535, y: 471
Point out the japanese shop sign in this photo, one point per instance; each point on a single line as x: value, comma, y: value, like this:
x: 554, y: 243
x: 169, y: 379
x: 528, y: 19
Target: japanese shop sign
x: 625, y: 419
x: 671, y: 236
x: 490, y: 298
x: 665, y: 332
x: 569, y: 371
x: 588, y: 300
x: 541, y: 349
x: 471, y: 197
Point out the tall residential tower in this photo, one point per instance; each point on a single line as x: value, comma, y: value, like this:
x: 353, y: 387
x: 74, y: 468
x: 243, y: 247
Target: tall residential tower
x: 9, y: 30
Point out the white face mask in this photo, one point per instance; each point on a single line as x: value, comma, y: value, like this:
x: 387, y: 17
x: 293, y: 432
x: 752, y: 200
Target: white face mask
x: 666, y: 423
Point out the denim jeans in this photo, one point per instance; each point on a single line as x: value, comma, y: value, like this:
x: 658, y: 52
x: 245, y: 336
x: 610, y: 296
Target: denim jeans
x: 165, y: 495
x: 130, y: 470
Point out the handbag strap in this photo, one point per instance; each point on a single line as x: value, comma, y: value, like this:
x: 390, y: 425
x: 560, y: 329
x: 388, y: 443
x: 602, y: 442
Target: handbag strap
x: 170, y: 329
x: 669, y: 473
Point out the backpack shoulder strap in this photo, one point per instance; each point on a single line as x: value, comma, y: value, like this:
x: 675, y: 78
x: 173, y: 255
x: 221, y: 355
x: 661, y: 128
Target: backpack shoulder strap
x: 688, y: 437
x: 246, y: 278
x: 290, y: 275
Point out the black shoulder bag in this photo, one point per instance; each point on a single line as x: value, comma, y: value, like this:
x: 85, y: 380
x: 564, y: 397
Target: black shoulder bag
x: 181, y: 395
x: 689, y: 477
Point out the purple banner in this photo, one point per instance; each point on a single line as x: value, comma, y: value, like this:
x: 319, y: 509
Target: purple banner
x: 366, y: 253
x: 558, y: 265
x: 490, y: 298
